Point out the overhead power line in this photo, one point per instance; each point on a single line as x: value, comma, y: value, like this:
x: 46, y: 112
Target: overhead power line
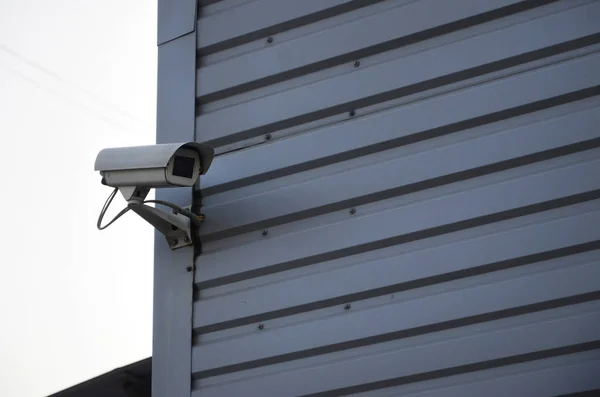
x: 70, y: 92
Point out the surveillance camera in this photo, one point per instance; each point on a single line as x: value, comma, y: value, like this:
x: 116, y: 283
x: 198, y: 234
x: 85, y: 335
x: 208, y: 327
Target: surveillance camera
x: 135, y: 170
x: 152, y: 166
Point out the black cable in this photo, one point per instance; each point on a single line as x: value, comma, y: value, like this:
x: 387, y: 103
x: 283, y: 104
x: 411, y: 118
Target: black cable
x: 105, y: 208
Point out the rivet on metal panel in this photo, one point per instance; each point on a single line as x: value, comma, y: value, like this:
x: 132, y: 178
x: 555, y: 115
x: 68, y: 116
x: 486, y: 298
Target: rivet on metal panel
x: 348, y: 306
x: 186, y: 239
x: 175, y: 241
x: 189, y: 268
x: 352, y: 113
x: 356, y: 64
x: 352, y: 211
x: 261, y: 326
x: 268, y: 137
x: 269, y: 39
x: 265, y: 232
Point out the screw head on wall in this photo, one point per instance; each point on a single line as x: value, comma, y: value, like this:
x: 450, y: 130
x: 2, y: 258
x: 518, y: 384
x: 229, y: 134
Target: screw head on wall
x: 352, y: 113
x: 189, y: 268
x: 348, y: 306
x: 261, y: 326
x: 356, y: 64
x: 268, y: 137
x: 352, y: 211
x: 269, y: 39
x: 265, y: 232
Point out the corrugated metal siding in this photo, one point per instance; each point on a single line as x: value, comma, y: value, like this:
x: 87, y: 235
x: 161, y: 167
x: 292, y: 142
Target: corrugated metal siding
x: 406, y: 199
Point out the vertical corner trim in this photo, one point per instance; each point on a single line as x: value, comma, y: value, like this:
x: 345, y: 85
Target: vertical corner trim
x: 176, y: 18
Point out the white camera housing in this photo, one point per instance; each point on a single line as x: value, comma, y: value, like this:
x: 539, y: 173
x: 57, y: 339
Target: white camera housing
x: 135, y: 170
x: 163, y: 165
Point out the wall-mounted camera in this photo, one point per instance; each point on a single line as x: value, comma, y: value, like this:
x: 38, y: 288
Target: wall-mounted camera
x: 135, y: 170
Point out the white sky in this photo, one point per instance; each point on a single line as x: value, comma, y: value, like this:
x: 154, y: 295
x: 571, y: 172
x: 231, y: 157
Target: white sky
x: 75, y: 76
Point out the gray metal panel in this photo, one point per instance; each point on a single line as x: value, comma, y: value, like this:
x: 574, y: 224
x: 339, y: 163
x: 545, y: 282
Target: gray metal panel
x: 357, y: 326
x: 375, y: 178
x: 175, y: 19
x: 377, y: 230
x: 338, y: 94
x: 253, y: 19
x: 543, y: 378
x: 175, y: 92
x: 303, y: 76
x: 441, y: 239
x: 522, y: 316
x: 173, y: 284
x: 494, y: 250
x: 429, y: 243
x: 405, y: 19
x: 577, y: 332
x: 462, y: 109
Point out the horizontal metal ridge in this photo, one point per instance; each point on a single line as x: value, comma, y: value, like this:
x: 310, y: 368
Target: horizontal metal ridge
x: 462, y: 369
x: 221, y: 127
x: 261, y: 18
x: 558, y: 282
x: 540, y: 378
x: 473, y: 352
x: 409, y: 22
x: 524, y: 195
x: 495, y: 252
x: 490, y: 102
x: 470, y: 158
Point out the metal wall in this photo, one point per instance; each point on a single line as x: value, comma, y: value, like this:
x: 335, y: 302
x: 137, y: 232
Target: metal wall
x: 406, y: 199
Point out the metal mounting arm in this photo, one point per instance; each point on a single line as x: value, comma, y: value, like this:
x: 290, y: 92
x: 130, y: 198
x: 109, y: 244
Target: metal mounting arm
x: 175, y: 227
